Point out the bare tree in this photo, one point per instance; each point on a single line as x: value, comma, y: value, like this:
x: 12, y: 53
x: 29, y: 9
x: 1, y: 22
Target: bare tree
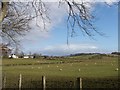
x: 16, y: 16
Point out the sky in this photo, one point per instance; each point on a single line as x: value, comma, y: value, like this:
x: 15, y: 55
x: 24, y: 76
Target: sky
x: 53, y: 40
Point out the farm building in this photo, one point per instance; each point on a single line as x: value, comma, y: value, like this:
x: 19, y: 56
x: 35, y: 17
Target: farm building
x: 28, y: 56
x: 13, y: 56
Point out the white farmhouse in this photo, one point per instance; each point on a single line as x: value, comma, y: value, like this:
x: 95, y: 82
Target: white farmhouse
x: 13, y: 56
x: 26, y: 56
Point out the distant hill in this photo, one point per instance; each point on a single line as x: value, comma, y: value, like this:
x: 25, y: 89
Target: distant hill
x: 117, y: 53
x: 78, y: 54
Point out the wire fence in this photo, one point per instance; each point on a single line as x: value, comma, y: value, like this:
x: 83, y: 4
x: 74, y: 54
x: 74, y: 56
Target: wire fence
x: 22, y: 82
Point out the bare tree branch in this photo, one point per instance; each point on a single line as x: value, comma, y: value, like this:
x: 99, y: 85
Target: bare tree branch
x: 80, y: 15
x: 18, y: 15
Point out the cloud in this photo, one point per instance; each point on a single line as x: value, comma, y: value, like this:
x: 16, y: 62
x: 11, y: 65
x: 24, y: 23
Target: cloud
x: 56, y: 17
x: 36, y: 34
x: 69, y: 49
x: 64, y: 49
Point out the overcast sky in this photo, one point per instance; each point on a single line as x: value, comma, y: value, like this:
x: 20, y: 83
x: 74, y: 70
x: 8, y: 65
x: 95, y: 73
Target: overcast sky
x: 53, y: 41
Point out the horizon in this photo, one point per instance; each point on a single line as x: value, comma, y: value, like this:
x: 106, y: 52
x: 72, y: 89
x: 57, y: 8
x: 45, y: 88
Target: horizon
x: 86, y: 53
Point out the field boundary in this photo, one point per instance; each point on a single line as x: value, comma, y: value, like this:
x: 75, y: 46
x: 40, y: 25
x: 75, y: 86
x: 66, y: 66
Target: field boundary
x: 78, y: 84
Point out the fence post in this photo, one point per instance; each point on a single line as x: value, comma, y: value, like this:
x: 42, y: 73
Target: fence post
x: 4, y: 81
x: 43, y: 82
x: 20, y: 82
x: 79, y: 83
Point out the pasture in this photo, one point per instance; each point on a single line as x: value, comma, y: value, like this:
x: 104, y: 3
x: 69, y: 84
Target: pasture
x: 88, y: 67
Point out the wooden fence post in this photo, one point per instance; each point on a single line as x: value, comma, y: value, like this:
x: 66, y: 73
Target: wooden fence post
x: 43, y: 82
x: 20, y: 82
x: 79, y: 83
x: 4, y: 81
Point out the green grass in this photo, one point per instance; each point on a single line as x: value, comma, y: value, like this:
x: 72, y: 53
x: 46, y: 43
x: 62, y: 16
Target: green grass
x: 72, y: 68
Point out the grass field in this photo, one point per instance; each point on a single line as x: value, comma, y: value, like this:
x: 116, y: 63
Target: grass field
x: 87, y: 66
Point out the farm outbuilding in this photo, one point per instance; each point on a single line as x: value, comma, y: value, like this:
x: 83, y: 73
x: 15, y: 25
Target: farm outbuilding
x: 13, y: 56
x: 28, y: 56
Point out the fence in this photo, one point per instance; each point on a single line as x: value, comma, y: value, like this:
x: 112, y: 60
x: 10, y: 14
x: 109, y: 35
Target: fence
x: 22, y: 82
x: 45, y: 84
